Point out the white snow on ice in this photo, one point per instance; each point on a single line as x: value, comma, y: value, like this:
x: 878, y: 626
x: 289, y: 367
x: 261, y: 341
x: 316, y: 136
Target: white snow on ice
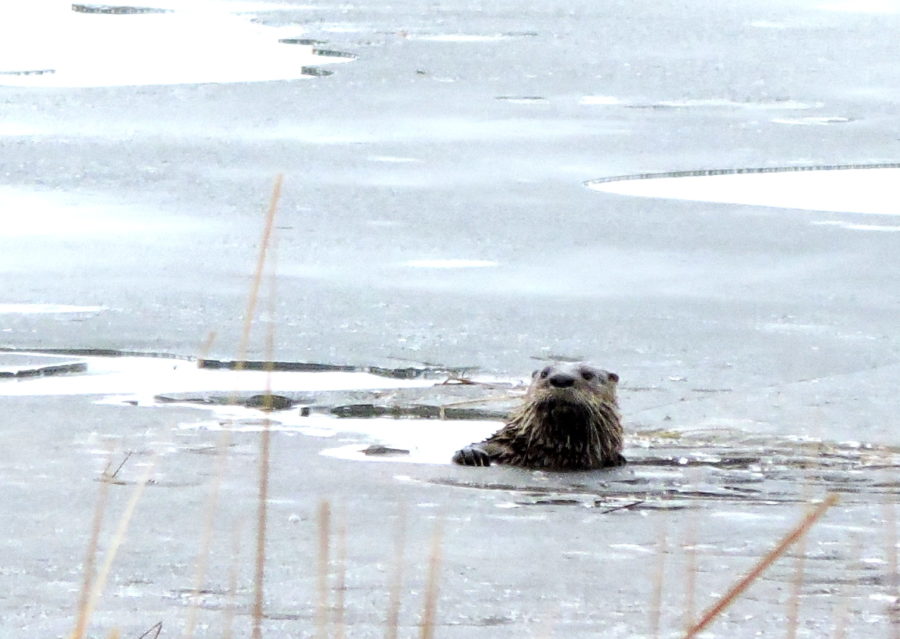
x: 882, y: 228
x: 822, y: 120
x: 866, y: 191
x: 47, y: 309
x: 139, y: 379
x: 428, y: 441
x: 45, y: 213
x: 459, y: 37
x: 863, y: 6
x: 450, y: 263
x: 44, y: 43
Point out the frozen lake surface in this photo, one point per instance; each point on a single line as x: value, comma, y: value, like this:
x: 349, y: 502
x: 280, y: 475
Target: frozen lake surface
x: 435, y: 216
x: 841, y: 190
x: 52, y: 43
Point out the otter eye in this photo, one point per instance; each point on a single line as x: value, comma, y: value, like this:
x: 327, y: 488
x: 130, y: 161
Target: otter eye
x: 587, y: 376
x: 545, y: 372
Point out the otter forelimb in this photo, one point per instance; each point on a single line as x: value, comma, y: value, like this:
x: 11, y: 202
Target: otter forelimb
x: 481, y: 454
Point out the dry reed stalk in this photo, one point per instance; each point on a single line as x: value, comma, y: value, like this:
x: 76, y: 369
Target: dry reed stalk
x: 202, y: 560
x: 91, y: 554
x: 261, y: 523
x: 547, y: 626
x: 793, y: 604
x: 257, y: 276
x: 443, y: 407
x: 393, y: 617
x: 115, y: 543
x: 324, y: 525
x: 429, y: 607
x: 689, y: 547
x: 212, y: 507
x: 893, y: 580
x: 115, y: 473
x: 153, y: 632
x: 206, y: 347
x: 230, y: 605
x: 658, y: 578
x: 341, y: 586
x: 786, y: 542
x: 842, y: 610
x: 262, y: 510
x: 793, y: 614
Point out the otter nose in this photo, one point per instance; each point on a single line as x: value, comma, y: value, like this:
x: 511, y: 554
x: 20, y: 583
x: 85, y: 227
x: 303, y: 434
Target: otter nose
x: 561, y: 380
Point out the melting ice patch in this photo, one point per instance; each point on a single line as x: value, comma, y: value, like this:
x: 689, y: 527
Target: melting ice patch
x: 417, y: 441
x: 881, y: 228
x: 47, y: 309
x: 599, y: 100
x: 450, y: 263
x: 823, y: 120
x: 140, y: 379
x: 28, y: 214
x: 701, y: 103
x: 459, y: 37
x: 869, y: 191
x: 863, y: 6
x: 47, y: 43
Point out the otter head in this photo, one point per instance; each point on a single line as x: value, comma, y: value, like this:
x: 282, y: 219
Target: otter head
x: 577, y: 383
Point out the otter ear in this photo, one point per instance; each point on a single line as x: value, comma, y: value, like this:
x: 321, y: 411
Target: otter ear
x: 534, y: 373
x: 613, y: 377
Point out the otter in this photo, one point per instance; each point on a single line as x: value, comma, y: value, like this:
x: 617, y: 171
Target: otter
x: 568, y: 421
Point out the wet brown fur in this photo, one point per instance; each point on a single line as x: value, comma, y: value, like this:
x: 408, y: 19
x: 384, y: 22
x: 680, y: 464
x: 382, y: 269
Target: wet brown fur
x: 577, y: 427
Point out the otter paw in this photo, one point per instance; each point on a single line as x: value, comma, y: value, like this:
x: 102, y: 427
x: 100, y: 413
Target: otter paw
x: 471, y: 456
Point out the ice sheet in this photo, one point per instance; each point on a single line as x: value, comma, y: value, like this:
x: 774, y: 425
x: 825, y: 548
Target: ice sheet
x: 140, y: 378
x: 44, y: 43
x: 866, y: 191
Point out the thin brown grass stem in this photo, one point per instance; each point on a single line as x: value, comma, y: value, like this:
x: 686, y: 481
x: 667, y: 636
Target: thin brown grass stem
x: 116, y: 541
x: 206, y: 347
x: 392, y: 627
x: 690, y: 569
x: 270, y: 329
x: 341, y: 585
x: 547, y: 626
x: 793, y: 613
x: 261, y: 524
x: 258, y: 273
x: 658, y: 579
x: 153, y: 632
x: 324, y: 538
x: 786, y: 542
x: 91, y: 555
x: 893, y: 580
x: 429, y: 607
x: 793, y: 603
x: 231, y: 605
x: 842, y: 609
x: 265, y: 438
x: 483, y: 400
x: 212, y: 506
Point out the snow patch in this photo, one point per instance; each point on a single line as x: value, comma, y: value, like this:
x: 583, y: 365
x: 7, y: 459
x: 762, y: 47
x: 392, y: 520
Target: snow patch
x: 863, y: 190
x: 450, y: 263
x: 44, y: 43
